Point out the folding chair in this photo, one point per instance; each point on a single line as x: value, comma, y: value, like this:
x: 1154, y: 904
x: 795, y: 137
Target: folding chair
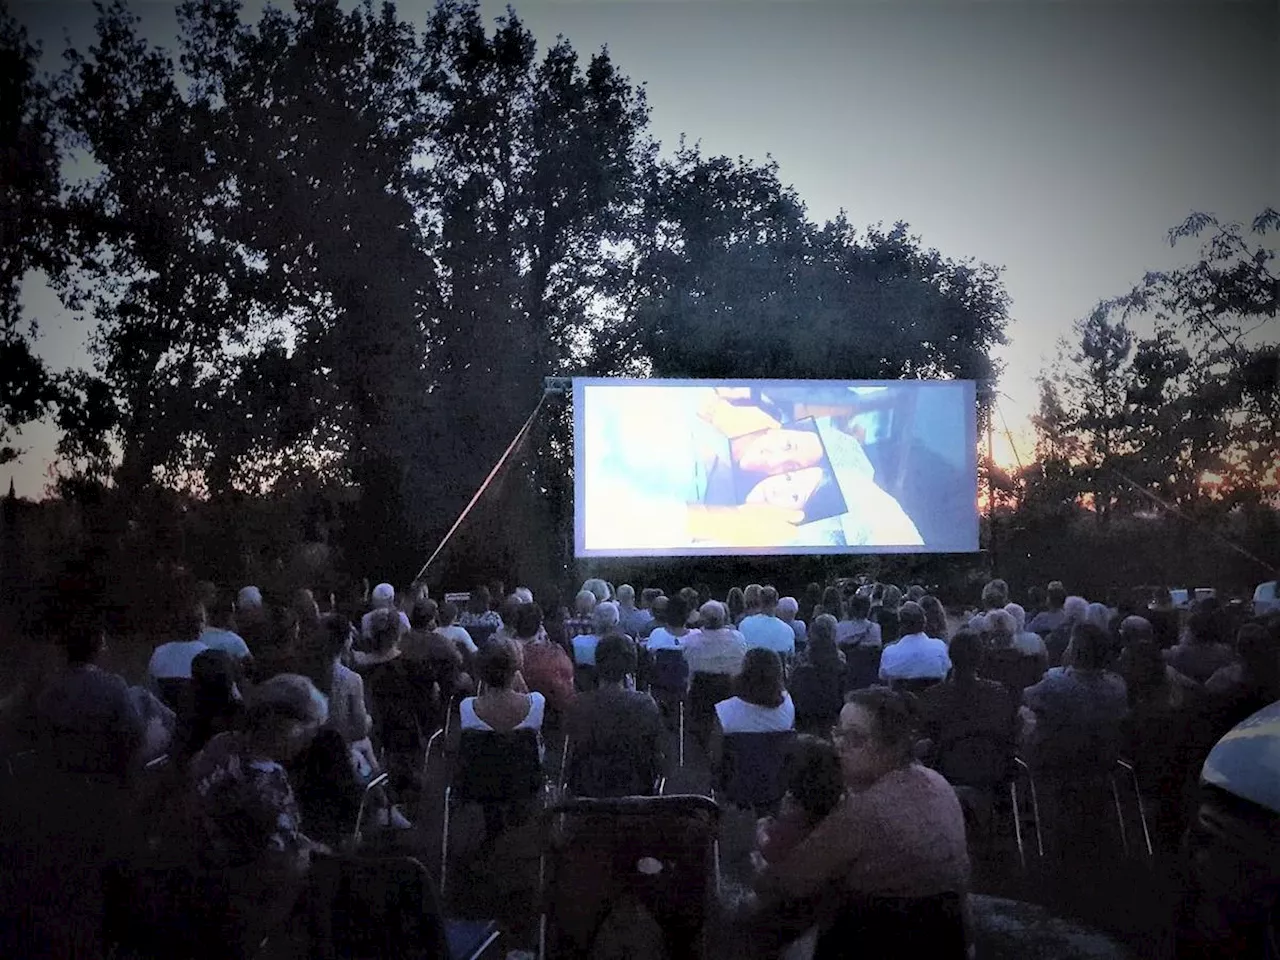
x: 705, y: 691
x: 862, y: 665
x: 669, y: 685
x: 384, y: 908
x: 1093, y: 761
x: 651, y: 853
x: 492, y: 769
x: 989, y: 765
x: 818, y: 696
x: 751, y: 773
x: 608, y: 777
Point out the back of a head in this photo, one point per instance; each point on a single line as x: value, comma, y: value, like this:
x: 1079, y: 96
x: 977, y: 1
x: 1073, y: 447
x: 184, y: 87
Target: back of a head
x: 735, y: 601
x: 584, y: 603
x: 81, y: 632
x: 892, y: 597
x: 1001, y: 624
x: 915, y: 592
x: 496, y: 665
x: 448, y: 614
x: 598, y: 588
x: 911, y: 617
x: 1035, y: 597
x: 1088, y: 647
x: 478, y: 602
x: 383, y: 596
x: 249, y: 598
x: 424, y: 615
x: 627, y: 595
x: 507, y: 612
x: 859, y: 607
x: 768, y: 599
x: 384, y: 628
x: 284, y: 698
x: 219, y: 608
x: 753, y: 596
x: 605, y: 618
x: 788, y: 608
x: 333, y: 636
x: 673, y: 610
x: 995, y: 594
x: 965, y: 651
x: 713, y: 615
x: 523, y: 594
x: 1136, y: 630
x: 760, y: 681
x: 527, y: 621
x: 935, y: 614
x: 1075, y: 609
x: 213, y: 675
x: 1018, y: 613
x: 1099, y: 615
x: 1259, y: 652
x: 188, y: 621
x: 1055, y: 595
x: 823, y: 627
x: 813, y: 775
x: 822, y: 649
x: 649, y: 595
x: 497, y: 591
x: 615, y: 658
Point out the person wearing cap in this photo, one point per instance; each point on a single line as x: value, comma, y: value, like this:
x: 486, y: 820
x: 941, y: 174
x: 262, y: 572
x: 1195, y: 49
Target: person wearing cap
x: 382, y: 598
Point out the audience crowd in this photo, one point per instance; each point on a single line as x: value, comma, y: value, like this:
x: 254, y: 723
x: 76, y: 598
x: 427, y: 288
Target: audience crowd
x: 269, y: 717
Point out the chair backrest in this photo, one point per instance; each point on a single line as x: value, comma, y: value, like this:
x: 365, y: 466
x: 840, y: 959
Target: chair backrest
x: 584, y: 677
x: 657, y: 852
x: 669, y: 673
x: 706, y: 690
x: 818, y: 695
x: 862, y: 665
x: 480, y: 634
x: 917, y: 685
x: 1011, y: 667
x: 753, y: 764
x: 376, y: 907
x: 980, y: 760
x: 498, y: 767
x: 178, y: 694
x: 885, y: 927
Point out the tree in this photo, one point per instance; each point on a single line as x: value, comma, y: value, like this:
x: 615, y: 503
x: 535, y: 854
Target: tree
x: 31, y: 236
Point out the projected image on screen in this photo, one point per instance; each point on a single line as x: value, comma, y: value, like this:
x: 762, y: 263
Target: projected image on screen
x: 689, y: 467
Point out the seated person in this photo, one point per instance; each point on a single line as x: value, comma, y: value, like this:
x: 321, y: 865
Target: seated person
x: 1023, y: 640
x: 243, y: 810
x: 765, y: 629
x: 817, y: 682
x: 216, y: 703
x: 604, y: 621
x: 916, y: 656
x: 717, y: 648
x: 615, y: 733
x: 441, y: 658
x: 963, y: 709
x: 219, y: 632
x: 1076, y: 710
x: 172, y: 660
x: 761, y: 703
x: 87, y: 722
x: 897, y: 832
x: 672, y: 631
x: 857, y: 627
x: 544, y: 665
x: 447, y: 626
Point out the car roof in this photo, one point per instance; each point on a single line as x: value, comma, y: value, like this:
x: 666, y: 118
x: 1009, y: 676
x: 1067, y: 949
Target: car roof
x: 1246, y: 762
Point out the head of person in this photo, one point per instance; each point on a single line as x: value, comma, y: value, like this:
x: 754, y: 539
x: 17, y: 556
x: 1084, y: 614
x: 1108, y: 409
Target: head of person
x: 892, y: 598
x: 1055, y: 595
x: 497, y: 665
x: 1075, y: 609
x: 497, y: 591
x: 1099, y: 615
x: 915, y: 592
x: 1136, y: 630
x: 769, y: 600
x: 213, y: 678
x: 447, y: 614
x: 605, y: 618
x: 1001, y: 627
x: 1035, y: 598
x: 822, y: 650
x: 752, y: 596
x: 859, y: 607
x: 507, y: 612
x: 584, y: 603
x: 995, y: 594
x: 876, y: 734
x: 83, y: 633
x: 308, y: 611
x: 219, y: 609
x: 188, y: 621
x: 615, y: 659
x: 283, y: 715
x: 911, y: 617
x: 780, y: 450
x: 478, y: 602
x: 1019, y: 614
x: 647, y: 596
x: 672, y: 611
x: 249, y: 601
x: 788, y: 608
x: 713, y: 615
x: 424, y: 615
x: 736, y: 602
x: 383, y: 597
x: 935, y: 616
x: 1201, y: 629
x: 814, y: 778
x: 760, y: 681
x: 1089, y: 648
x: 526, y: 621
x: 599, y: 589
x: 385, y: 628
x: 334, y: 637
x: 627, y: 597
x: 965, y: 651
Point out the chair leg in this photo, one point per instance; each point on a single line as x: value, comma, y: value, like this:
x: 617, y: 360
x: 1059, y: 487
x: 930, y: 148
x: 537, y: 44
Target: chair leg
x: 1035, y: 808
x: 681, y: 730
x: 444, y: 843
x: 1142, y: 807
x: 1017, y: 823
x: 1115, y: 796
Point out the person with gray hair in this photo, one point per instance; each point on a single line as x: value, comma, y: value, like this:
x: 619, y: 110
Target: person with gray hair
x: 994, y: 595
x: 598, y: 589
x: 788, y: 612
x: 631, y: 618
x: 764, y: 629
x: 604, y: 623
x: 717, y: 647
x: 1024, y: 641
x: 580, y: 622
x: 1074, y: 611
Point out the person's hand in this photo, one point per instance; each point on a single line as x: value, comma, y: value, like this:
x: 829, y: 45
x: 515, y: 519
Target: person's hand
x: 733, y: 420
x: 747, y: 525
x: 758, y: 863
x: 762, y: 831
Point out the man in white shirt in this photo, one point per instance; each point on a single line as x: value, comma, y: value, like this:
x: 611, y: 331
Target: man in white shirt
x: 765, y: 629
x: 384, y: 598
x: 447, y: 627
x: 172, y: 661
x: 916, y: 656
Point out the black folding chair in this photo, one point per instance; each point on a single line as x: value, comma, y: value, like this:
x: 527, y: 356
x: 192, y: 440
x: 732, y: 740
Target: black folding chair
x: 862, y: 665
x: 385, y: 908
x: 818, y: 696
x: 987, y: 765
x: 1013, y: 668
x: 705, y: 691
x: 669, y: 685
x: 622, y: 770
x: 750, y: 775
x: 916, y: 685
x: 493, y: 770
x: 657, y: 854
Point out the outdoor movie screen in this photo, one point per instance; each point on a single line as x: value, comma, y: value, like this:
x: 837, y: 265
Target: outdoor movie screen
x: 695, y: 467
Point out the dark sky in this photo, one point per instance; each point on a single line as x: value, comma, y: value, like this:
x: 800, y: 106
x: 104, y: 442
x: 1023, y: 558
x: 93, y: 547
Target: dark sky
x: 1059, y: 139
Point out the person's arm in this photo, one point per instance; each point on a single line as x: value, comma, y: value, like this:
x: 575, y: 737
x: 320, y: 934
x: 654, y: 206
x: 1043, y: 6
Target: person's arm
x: 816, y: 860
x: 361, y: 721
